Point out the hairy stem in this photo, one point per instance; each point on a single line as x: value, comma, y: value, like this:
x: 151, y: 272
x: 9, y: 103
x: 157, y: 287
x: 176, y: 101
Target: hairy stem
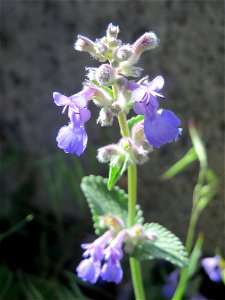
x: 132, y: 199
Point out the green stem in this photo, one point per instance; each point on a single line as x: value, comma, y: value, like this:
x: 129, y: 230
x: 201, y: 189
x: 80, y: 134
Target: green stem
x: 181, y: 287
x: 123, y: 124
x: 132, y: 199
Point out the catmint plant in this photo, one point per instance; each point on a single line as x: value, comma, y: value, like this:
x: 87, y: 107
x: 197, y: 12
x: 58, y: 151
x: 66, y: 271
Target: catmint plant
x: 115, y: 88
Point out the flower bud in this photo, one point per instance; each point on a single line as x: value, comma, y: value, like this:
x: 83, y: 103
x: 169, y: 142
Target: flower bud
x: 123, y: 53
x: 141, y: 147
x: 106, y: 153
x: 139, y: 138
x: 105, y: 116
x: 84, y: 44
x: 129, y: 70
x: 146, y: 42
x: 112, y: 31
x: 105, y: 75
x: 121, y: 82
x: 100, y: 48
x: 113, y: 222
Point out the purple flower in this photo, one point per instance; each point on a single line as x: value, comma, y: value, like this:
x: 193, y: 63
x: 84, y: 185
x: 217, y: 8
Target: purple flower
x: 78, y: 100
x: 160, y: 126
x: 112, y: 271
x: 89, y: 270
x: 211, y: 267
x: 72, y: 139
x: 96, y: 249
x: 145, y: 97
x: 103, y: 249
x: 114, y: 250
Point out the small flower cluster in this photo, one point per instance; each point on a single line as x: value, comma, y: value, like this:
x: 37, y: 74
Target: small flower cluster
x: 214, y: 267
x: 102, y: 257
x: 110, y: 88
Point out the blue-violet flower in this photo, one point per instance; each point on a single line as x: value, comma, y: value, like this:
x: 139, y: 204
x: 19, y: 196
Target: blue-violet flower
x: 160, y: 126
x: 211, y: 267
x: 73, y: 138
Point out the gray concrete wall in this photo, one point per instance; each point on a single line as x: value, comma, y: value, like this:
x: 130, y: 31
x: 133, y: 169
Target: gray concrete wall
x: 38, y: 58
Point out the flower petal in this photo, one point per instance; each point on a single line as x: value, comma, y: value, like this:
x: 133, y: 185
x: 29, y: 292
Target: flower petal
x: 88, y: 270
x: 112, y: 272
x: 139, y: 94
x: 162, y: 128
x: 72, y: 140
x: 61, y: 100
x: 156, y: 84
x: 139, y: 108
x: 81, y: 99
x: 211, y: 267
x: 85, y: 114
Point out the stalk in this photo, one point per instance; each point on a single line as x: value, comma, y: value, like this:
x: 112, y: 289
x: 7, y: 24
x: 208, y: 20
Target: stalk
x: 182, y: 284
x: 132, y: 199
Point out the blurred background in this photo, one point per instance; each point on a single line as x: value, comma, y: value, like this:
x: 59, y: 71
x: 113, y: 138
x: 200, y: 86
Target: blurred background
x: 43, y: 214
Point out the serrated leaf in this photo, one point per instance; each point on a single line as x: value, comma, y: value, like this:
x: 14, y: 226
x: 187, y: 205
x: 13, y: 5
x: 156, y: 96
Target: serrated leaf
x: 116, y: 171
x: 181, y: 165
x: 103, y: 202
x: 165, y: 246
x: 134, y: 120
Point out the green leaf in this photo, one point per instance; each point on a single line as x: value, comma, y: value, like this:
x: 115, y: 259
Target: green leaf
x: 195, y: 255
x: 165, y: 246
x: 198, y: 145
x: 181, y: 165
x: 116, y: 171
x: 134, y: 120
x: 103, y: 202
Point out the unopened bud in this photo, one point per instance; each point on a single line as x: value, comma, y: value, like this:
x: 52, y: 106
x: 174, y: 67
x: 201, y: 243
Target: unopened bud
x: 138, y: 136
x: 112, y: 31
x: 112, y: 222
x: 130, y: 71
x: 137, y: 132
x: 100, y: 48
x: 84, y: 44
x: 141, y: 146
x: 121, y: 82
x: 123, y: 53
x: 105, y: 116
x: 106, y: 153
x: 146, y: 42
x: 105, y: 75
